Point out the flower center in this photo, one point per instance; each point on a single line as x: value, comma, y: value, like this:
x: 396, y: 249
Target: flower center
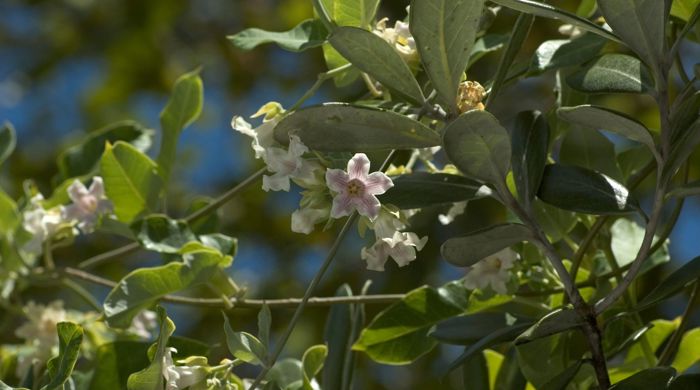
x: 89, y: 204
x: 355, y: 187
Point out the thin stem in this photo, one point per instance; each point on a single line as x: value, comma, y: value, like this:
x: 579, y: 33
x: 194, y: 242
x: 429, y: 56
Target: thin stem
x: 307, y: 295
x: 107, y: 256
x: 48, y: 255
x: 322, y: 77
x: 672, y: 345
x: 82, y: 293
x: 245, y: 303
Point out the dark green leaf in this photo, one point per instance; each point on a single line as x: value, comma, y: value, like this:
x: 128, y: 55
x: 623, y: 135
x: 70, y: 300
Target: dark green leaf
x: 475, y: 373
x: 8, y: 141
x: 286, y: 374
x: 562, y: 380
x: 143, y: 287
x: 651, y: 378
x: 466, y: 330
x: 499, y: 336
x: 555, y: 222
x: 183, y: 108
x: 517, y: 38
x: 9, y: 215
x: 81, y: 159
x: 306, y: 35
x: 487, y: 44
x: 338, y: 127
x: 60, y: 368
x: 244, y: 345
x: 469, y: 249
x: 478, y: 146
x: 152, y: 376
x: 641, y: 24
x: 264, y: 322
x: 131, y: 180
x: 600, y: 118
x: 312, y: 363
x: 161, y: 234
x: 399, y: 334
x: 117, y: 360
x: 612, y: 73
x: 685, y: 382
x: 509, y: 375
x: 591, y: 150
x: 560, y: 53
x: 445, y: 31
x: 674, y: 283
x: 548, y: 11
x: 684, y: 112
x: 530, y: 142
x: 682, y: 148
x: 581, y: 190
x: 374, y: 56
x: 555, y: 322
x: 422, y: 189
x: 337, y: 335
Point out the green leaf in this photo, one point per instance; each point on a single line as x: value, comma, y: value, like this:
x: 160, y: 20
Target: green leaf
x: 469, y: 249
x: 517, y: 38
x: 445, y: 31
x: 509, y: 374
x: 682, y: 148
x: 264, y: 322
x: 340, y: 127
x: 221, y: 242
x: 306, y: 35
x: 558, y: 321
x: 555, y: 222
x: 562, y: 380
x: 683, y: 9
x: 152, y: 376
x: 497, y: 337
x: 685, y: 382
x: 4, y: 386
x: 312, y: 363
x: 641, y: 24
x: 684, y: 112
x: 686, y: 274
x: 143, y: 287
x: 8, y: 141
x: 422, y: 189
x: 651, y: 378
x: 682, y: 191
x: 559, y: 53
x: 159, y: 233
x: 115, y: 361
x: 82, y: 158
x: 478, y: 146
x: 548, y: 11
x: 286, y: 374
x: 530, y: 143
x: 399, y: 334
x: 591, y: 150
x: 687, y: 353
x: 374, y: 56
x: 131, y: 180
x: 60, y: 368
x: 584, y: 191
x: 244, y: 345
x: 183, y: 108
x: 338, y: 337
x: 9, y: 215
x: 626, y: 239
x: 601, y: 118
x: 466, y: 330
x: 475, y: 373
x: 612, y: 73
x: 489, y: 43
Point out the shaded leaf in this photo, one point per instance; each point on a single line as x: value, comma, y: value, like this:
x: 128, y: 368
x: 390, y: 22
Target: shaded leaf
x: 374, y: 56
x: 509, y: 374
x: 306, y: 35
x: 161, y: 234
x: 338, y: 337
x: 489, y: 43
x: 530, y: 142
x: 131, y: 180
x: 672, y: 284
x: 685, y: 382
x: 264, y: 322
x: 469, y: 249
x: 651, y: 378
x: 612, y: 73
x: 478, y: 146
x: 340, y: 127
x: 445, y: 31
x: 8, y: 141
x: 558, y: 321
x: 422, y: 189
x: 115, y: 361
x: 562, y: 380
x: 559, y: 53
x: 244, y: 345
x: 591, y: 150
x: 466, y: 330
x: 682, y: 148
x: 9, y: 214
x: 581, y: 190
x: 475, y: 373
x: 312, y: 363
x: 152, y: 376
x: 60, y: 368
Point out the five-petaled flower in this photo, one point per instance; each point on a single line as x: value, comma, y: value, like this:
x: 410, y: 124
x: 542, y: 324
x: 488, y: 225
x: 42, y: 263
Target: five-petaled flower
x: 88, y: 204
x: 492, y: 270
x: 356, y: 189
x: 401, y: 247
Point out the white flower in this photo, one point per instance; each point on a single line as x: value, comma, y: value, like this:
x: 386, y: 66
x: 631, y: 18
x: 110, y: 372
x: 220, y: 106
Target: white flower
x: 400, y: 38
x: 180, y: 377
x: 143, y: 324
x: 456, y: 210
x: 304, y: 219
x: 286, y: 165
x: 39, y: 332
x: 492, y: 270
x: 88, y: 204
x: 401, y: 247
x: 387, y: 223
x: 356, y: 189
x: 263, y: 135
x: 40, y: 223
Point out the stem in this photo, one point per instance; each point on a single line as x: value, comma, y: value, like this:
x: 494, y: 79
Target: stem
x: 672, y: 345
x: 82, y: 293
x: 322, y: 77
x: 48, y: 255
x: 307, y: 295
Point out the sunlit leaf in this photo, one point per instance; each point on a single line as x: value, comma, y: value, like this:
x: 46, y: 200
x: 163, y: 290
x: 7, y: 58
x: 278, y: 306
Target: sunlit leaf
x: 612, y: 73
x: 559, y: 53
x: 306, y: 35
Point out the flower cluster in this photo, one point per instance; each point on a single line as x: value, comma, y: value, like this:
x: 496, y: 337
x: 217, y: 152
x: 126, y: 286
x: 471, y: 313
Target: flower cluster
x: 330, y: 193
x: 39, y: 333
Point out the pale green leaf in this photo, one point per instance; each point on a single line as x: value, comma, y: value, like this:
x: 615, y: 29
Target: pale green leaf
x: 306, y: 35
x: 60, y: 368
x: 244, y: 345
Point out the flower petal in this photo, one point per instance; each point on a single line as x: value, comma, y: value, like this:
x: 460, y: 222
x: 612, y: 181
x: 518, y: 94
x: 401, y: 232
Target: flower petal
x: 358, y: 166
x: 367, y: 205
x: 77, y: 190
x: 296, y: 147
x: 304, y: 220
x: 337, y: 180
x: 342, y: 206
x: 276, y: 182
x: 375, y: 256
x: 97, y: 187
x: 377, y: 183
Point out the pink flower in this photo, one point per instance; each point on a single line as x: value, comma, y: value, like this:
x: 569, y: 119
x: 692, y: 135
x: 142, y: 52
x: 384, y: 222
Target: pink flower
x: 356, y: 189
x: 88, y: 204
